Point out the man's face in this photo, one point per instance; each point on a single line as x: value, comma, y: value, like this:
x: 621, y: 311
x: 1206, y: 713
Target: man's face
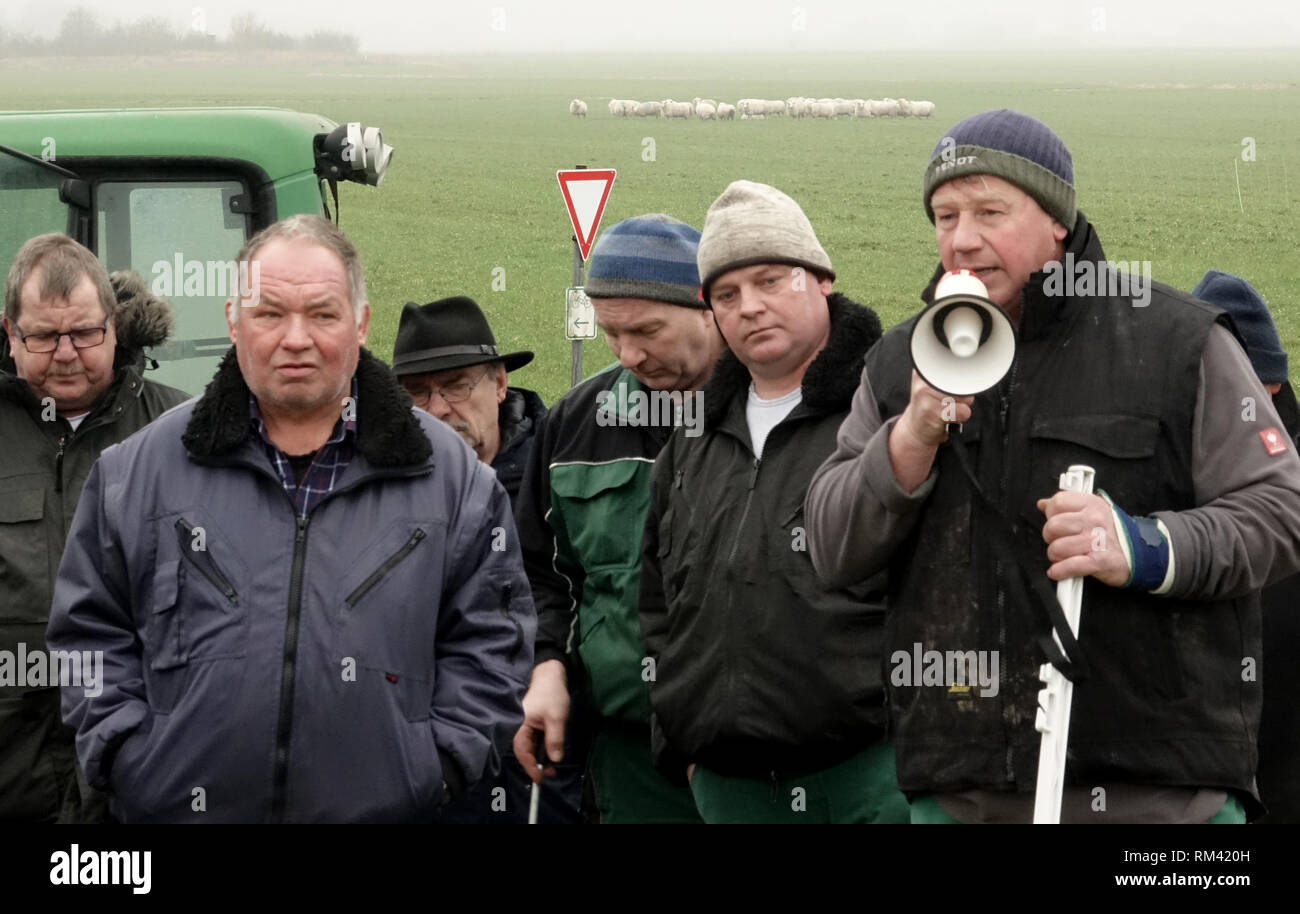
x: 298, y: 345
x: 773, y: 316
x: 667, y: 347
x: 74, y: 378
x: 474, y: 418
x: 985, y: 224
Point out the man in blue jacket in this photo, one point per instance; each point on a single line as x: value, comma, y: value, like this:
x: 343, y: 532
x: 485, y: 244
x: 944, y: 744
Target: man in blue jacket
x: 305, y: 600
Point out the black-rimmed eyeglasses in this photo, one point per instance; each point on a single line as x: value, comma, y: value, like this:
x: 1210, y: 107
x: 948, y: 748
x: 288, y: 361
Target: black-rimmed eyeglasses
x: 82, y: 338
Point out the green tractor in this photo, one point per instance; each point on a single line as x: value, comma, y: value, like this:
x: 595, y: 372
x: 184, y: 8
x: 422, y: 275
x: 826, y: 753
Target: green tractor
x: 173, y: 194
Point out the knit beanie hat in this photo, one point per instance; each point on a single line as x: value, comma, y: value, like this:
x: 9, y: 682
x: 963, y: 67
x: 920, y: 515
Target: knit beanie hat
x: 1251, y: 316
x: 1011, y: 146
x: 754, y: 223
x: 650, y: 256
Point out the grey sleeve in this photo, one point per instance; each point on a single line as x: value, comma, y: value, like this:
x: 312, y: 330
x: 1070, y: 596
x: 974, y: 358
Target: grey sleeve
x: 1246, y: 531
x: 855, y: 510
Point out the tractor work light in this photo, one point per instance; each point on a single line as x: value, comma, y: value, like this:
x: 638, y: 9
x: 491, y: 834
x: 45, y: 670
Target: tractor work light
x: 352, y: 152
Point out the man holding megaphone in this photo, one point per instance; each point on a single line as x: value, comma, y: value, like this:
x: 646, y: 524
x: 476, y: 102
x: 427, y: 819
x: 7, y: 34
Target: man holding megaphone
x: 946, y: 474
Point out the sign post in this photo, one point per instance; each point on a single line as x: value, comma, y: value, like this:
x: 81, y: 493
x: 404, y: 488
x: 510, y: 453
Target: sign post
x: 585, y: 192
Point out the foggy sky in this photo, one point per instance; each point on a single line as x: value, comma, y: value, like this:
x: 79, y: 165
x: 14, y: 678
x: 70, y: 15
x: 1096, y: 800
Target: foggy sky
x: 721, y: 26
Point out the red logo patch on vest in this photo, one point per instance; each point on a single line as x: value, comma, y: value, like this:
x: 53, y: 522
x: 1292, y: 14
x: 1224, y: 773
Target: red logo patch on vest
x: 1274, y: 441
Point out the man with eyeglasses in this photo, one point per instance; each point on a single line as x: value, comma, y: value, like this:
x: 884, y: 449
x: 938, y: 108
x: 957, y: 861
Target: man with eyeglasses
x: 74, y: 387
x: 446, y: 357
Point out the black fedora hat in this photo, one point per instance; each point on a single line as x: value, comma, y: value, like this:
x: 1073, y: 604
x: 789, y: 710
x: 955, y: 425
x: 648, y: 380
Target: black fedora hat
x: 448, y: 333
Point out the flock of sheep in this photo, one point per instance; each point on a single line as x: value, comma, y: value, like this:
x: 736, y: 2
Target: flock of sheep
x: 706, y: 109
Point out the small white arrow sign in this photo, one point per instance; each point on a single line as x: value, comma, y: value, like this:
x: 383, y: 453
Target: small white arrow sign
x: 579, y: 315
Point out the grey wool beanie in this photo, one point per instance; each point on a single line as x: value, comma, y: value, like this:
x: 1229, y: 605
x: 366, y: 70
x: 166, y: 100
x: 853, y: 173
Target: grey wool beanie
x: 650, y: 256
x: 1014, y: 147
x: 753, y: 223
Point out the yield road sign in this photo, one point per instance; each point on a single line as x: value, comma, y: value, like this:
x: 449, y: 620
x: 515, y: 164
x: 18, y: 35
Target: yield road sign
x: 585, y: 193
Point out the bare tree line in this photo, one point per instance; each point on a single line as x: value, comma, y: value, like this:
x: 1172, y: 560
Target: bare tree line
x: 82, y: 33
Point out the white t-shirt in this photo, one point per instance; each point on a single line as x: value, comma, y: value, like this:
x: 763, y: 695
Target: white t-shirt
x: 75, y: 421
x: 764, y: 415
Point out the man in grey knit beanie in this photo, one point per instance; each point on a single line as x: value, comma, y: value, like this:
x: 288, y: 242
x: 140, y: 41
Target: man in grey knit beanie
x: 1197, y: 507
x: 767, y: 684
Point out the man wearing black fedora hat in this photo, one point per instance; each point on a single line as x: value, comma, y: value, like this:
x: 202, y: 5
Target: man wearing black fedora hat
x: 447, y: 359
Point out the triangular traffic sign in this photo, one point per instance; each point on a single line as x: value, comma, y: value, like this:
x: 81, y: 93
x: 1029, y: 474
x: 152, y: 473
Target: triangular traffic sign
x: 585, y: 191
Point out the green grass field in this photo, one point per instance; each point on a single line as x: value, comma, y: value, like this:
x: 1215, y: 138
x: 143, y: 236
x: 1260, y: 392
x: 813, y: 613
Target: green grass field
x: 472, y: 186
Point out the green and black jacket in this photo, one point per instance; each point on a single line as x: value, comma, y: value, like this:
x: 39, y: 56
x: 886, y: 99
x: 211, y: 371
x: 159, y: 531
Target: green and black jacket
x: 581, y: 509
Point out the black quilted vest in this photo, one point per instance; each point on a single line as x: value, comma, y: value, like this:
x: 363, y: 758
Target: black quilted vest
x: 1097, y: 381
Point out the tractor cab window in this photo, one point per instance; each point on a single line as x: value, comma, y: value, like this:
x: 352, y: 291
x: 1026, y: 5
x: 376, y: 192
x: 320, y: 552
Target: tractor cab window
x: 182, y: 238
x: 30, y: 201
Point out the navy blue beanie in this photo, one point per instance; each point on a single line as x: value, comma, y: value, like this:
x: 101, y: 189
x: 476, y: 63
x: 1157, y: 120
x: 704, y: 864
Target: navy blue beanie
x: 1253, y: 321
x: 1011, y: 146
x: 651, y: 256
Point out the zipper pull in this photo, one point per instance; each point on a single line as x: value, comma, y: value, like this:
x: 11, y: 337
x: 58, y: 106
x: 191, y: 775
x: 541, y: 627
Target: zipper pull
x: 677, y: 479
x: 58, y: 464
x: 774, y: 785
x: 753, y: 476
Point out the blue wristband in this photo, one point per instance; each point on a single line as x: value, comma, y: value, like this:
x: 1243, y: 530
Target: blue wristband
x: 1149, y: 550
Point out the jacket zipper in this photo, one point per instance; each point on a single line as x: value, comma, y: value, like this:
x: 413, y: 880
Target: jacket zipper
x: 284, y: 725
x: 206, y: 568
x: 744, y: 515
x: 731, y: 598
x: 1005, y: 410
x: 58, y: 464
x: 378, y: 575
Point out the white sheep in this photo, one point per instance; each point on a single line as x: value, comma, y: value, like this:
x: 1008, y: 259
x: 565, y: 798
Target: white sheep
x: 649, y: 109
x: 705, y: 112
x: 726, y: 112
x: 904, y: 108
x: 676, y: 109
x: 578, y: 108
x: 922, y: 109
x: 621, y: 107
x: 822, y: 109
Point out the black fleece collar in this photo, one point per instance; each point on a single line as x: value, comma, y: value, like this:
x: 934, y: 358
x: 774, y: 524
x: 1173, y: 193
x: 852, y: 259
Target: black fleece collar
x: 831, y: 379
x: 388, y: 434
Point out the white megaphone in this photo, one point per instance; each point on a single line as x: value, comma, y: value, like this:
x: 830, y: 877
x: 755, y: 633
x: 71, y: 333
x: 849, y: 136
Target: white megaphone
x: 963, y: 343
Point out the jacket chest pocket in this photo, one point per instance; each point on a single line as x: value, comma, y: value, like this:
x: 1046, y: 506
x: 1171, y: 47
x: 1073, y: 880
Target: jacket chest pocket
x: 383, y: 642
x: 1121, y: 448
x: 196, y: 613
x: 188, y: 623
x: 602, y: 509
x: 24, y: 557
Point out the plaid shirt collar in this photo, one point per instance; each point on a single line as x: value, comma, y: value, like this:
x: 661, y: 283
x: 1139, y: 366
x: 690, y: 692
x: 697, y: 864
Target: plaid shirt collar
x: 331, y: 459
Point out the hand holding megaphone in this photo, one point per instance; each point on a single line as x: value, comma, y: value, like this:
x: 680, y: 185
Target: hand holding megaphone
x: 929, y: 413
x: 963, y: 343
